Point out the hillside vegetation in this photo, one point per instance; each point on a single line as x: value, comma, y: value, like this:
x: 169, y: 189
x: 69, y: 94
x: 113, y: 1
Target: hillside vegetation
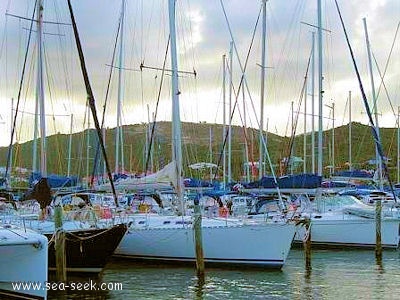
x: 198, y: 146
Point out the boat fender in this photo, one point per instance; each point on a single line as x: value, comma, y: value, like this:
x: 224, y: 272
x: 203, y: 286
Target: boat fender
x: 106, y: 213
x: 223, y: 212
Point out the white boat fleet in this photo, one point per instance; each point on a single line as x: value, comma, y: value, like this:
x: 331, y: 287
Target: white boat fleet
x: 244, y: 230
x: 336, y: 221
x: 238, y: 229
x: 156, y: 233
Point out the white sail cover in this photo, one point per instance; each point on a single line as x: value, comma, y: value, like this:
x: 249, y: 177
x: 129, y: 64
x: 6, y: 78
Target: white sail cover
x: 163, y: 179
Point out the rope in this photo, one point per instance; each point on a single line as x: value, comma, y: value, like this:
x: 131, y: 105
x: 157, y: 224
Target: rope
x: 89, y: 237
x: 307, y: 235
x: 52, y: 239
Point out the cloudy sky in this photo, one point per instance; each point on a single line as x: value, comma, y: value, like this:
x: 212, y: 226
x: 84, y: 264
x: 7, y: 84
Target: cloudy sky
x: 203, y: 38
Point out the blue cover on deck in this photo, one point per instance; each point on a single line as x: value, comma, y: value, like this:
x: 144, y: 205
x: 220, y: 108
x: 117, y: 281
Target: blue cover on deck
x: 193, y: 182
x: 54, y: 180
x: 304, y: 181
x: 355, y: 173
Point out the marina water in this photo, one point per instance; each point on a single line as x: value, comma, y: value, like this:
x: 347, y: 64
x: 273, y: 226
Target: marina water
x: 335, y: 274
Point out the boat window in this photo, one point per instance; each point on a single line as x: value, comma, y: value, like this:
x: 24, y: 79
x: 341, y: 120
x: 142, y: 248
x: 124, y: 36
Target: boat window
x: 183, y: 222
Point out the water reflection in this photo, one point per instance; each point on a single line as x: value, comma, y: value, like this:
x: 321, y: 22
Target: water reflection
x: 198, y: 288
x: 334, y: 274
x: 77, y: 287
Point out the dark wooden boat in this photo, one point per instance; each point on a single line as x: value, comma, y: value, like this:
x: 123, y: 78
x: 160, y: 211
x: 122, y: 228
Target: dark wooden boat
x: 88, y: 250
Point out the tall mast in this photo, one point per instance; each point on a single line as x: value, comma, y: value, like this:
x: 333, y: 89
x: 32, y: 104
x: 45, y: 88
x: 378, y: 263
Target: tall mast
x: 118, y: 134
x: 9, y: 162
x: 377, y: 156
x: 246, y: 149
x: 148, y: 140
x: 176, y: 122
x: 230, y: 115
x: 320, y: 89
x: 305, y: 128
x: 40, y: 90
x: 224, y: 117
x: 290, y: 158
x: 333, y: 137
x: 350, y: 135
x: 261, y: 144
x: 332, y: 147
x: 398, y: 144
x: 313, y: 105
x: 88, y: 144
x: 211, y: 152
x: 70, y: 147
x: 147, y: 131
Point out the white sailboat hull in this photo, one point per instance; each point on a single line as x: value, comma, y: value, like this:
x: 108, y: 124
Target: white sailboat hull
x: 262, y: 245
x: 356, y: 232
x: 23, y: 259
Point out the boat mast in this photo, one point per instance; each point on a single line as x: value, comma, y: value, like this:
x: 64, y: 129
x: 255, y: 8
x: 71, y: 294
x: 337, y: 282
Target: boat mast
x: 313, y: 105
x: 70, y: 146
x: 9, y: 162
x: 261, y: 144
x: 377, y: 156
x: 333, y: 136
x: 224, y: 117
x: 246, y: 149
x: 230, y: 114
x: 305, y: 128
x: 320, y: 89
x: 150, y: 123
x: 398, y: 144
x: 40, y: 90
x: 291, y: 154
x: 211, y: 151
x: 88, y: 144
x: 176, y: 122
x: 91, y: 100
x: 118, y: 135
x: 350, y: 135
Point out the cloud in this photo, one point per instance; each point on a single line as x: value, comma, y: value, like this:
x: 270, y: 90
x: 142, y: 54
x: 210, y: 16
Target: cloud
x: 203, y: 38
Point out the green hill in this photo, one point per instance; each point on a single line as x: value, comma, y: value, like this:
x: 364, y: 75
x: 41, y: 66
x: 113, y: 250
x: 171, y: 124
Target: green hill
x: 196, y: 148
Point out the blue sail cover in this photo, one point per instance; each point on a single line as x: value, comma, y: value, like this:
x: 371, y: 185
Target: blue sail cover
x: 54, y: 180
x: 355, y: 173
x: 193, y: 182
x: 309, y: 181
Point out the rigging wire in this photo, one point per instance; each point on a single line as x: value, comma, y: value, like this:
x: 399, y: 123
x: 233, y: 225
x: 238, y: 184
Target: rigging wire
x: 367, y: 108
x: 148, y: 155
x: 19, y: 95
x: 96, y: 159
x: 91, y: 100
x: 382, y: 75
x: 294, y: 126
x: 236, y: 94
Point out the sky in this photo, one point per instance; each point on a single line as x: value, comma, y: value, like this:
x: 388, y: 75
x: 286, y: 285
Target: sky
x: 205, y: 30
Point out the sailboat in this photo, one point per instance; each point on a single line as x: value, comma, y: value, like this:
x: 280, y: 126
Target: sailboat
x: 88, y: 248
x: 23, y: 261
x: 343, y: 220
x: 339, y: 221
x: 226, y: 241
